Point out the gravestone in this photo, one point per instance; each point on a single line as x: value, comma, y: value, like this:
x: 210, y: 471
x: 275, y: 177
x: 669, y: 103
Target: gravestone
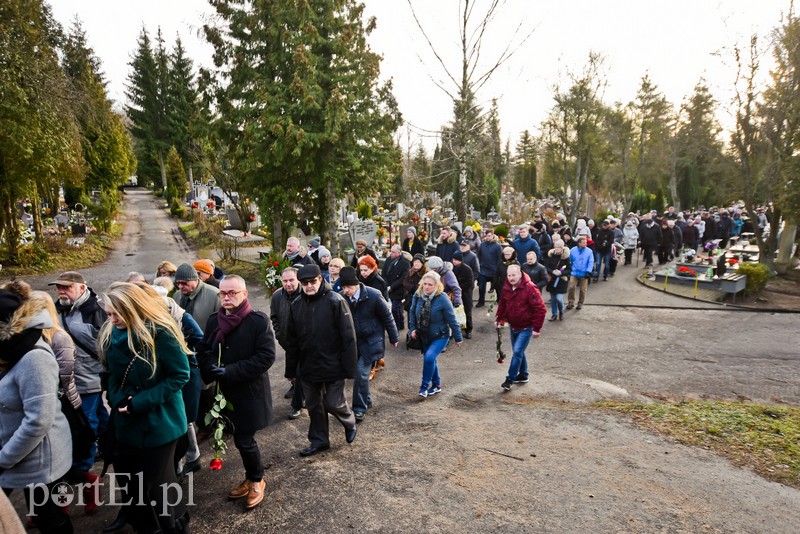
x: 62, y: 219
x: 345, y: 242
x: 365, y: 230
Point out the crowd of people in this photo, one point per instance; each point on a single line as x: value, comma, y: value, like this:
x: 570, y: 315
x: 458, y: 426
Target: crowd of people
x: 156, y: 353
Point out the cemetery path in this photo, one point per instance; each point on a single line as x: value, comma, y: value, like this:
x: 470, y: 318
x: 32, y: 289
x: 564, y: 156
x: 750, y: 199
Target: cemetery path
x: 539, y: 458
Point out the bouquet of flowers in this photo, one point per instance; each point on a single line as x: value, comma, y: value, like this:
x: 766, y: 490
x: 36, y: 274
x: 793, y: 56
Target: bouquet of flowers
x: 683, y: 270
x: 273, y: 267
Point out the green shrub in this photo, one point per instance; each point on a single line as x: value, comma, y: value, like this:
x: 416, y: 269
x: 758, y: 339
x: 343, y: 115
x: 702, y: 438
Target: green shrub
x: 501, y: 230
x: 364, y: 210
x: 601, y: 216
x: 757, y: 276
x: 176, y: 209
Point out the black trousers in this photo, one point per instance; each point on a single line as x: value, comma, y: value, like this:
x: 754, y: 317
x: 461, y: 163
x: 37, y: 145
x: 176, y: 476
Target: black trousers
x: 251, y: 456
x: 397, y: 313
x: 149, y: 474
x: 49, y: 518
x: 466, y: 298
x: 323, y: 398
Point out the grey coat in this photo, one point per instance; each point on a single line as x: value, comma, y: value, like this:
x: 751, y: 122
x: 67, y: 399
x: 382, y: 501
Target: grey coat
x: 87, y: 366
x: 201, y: 303
x: 64, y: 349
x: 35, y: 437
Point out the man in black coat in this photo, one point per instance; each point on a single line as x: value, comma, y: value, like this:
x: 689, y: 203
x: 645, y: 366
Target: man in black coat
x: 394, y: 272
x: 371, y: 317
x: 650, y: 237
x: 322, y: 341
x: 279, y: 305
x: 466, y: 281
x: 237, y: 350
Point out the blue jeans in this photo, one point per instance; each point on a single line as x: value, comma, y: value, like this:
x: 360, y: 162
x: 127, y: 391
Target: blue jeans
x: 482, y: 280
x: 430, y: 369
x: 95, y: 410
x: 605, y: 259
x: 361, y: 396
x: 557, y: 303
x: 519, y: 363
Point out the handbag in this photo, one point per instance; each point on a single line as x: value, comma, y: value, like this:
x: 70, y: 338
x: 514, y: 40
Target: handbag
x: 461, y: 315
x: 413, y: 343
x: 83, y: 435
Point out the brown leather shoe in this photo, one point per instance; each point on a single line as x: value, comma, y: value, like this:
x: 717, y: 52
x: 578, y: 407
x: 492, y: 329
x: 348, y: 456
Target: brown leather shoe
x: 380, y: 364
x: 240, y: 491
x: 256, y: 494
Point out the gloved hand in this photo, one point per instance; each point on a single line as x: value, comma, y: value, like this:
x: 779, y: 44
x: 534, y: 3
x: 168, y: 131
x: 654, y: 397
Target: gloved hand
x: 217, y: 373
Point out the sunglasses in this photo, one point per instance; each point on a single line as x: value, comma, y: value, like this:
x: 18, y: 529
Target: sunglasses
x: 182, y: 282
x: 229, y: 294
x: 307, y: 282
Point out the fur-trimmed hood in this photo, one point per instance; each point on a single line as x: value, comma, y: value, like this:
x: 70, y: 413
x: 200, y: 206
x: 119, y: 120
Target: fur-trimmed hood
x: 408, y: 256
x: 564, y: 253
x: 451, y: 239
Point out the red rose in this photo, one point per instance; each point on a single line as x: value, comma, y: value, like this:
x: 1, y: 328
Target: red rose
x: 216, y: 464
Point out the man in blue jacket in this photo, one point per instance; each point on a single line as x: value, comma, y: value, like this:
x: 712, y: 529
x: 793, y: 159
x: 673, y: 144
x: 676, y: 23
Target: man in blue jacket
x: 490, y: 255
x: 582, y: 260
x: 371, y: 316
x: 524, y: 243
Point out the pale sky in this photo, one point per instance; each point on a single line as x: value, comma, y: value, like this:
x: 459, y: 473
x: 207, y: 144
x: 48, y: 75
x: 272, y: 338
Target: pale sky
x: 676, y: 42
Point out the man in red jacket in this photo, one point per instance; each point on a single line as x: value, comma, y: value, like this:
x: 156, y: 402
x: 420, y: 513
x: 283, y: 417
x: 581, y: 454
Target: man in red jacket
x: 522, y: 307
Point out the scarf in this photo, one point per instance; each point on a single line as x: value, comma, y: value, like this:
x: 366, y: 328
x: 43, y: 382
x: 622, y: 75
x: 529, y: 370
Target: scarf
x: 424, y: 318
x: 227, y: 323
x: 17, y: 346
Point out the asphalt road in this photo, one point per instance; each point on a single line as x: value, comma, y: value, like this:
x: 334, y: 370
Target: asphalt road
x: 535, y: 459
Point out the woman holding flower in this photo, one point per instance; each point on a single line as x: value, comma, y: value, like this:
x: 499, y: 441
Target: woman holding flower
x: 146, y: 358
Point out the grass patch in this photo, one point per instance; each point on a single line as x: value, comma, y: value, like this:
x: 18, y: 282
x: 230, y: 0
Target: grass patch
x: 253, y: 273
x: 764, y: 438
x: 55, y: 256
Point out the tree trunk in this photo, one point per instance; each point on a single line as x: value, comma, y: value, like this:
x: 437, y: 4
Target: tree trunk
x: 163, y: 168
x: 330, y: 222
x: 785, y: 248
x: 277, y: 231
x: 11, y: 228
x: 36, y: 211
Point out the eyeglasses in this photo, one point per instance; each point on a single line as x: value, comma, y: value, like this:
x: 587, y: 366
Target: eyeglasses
x: 229, y: 294
x: 182, y: 282
x: 308, y: 282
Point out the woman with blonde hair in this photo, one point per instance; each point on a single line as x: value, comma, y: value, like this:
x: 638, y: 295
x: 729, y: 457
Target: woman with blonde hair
x: 334, y: 268
x: 432, y: 321
x: 146, y: 357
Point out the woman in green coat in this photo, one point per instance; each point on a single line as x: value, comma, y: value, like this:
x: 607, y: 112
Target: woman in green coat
x: 146, y: 358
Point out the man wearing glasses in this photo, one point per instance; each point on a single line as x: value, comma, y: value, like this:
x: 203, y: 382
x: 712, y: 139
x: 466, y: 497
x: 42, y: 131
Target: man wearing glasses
x: 237, y: 351
x: 322, y: 340
x: 196, y: 297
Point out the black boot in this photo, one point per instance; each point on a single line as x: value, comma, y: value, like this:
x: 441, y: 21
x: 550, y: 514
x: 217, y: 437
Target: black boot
x: 119, y: 522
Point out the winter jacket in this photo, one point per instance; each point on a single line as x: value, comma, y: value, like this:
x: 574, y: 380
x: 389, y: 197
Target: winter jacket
x: 64, y: 349
x: 82, y: 321
x: 35, y: 436
x: 375, y: 281
x: 500, y: 275
x: 630, y: 235
x: 473, y: 240
x: 710, y: 229
x: 465, y: 278
x: 201, y: 302
x: 667, y: 237
x: 523, y: 306
x: 411, y: 284
x: 605, y: 238
x: 247, y: 355
x: 582, y: 261
x: 157, y: 413
x: 279, y: 305
x: 394, y: 271
x: 471, y: 261
x: 442, y: 323
x: 690, y: 236
x: 677, y: 236
x: 450, y: 282
x: 367, y: 252
x: 650, y: 234
x: 561, y: 262
x: 322, y: 338
x: 537, y: 273
x: 371, y: 317
x: 413, y: 246
x: 490, y: 255
x: 446, y: 248
x: 523, y: 246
